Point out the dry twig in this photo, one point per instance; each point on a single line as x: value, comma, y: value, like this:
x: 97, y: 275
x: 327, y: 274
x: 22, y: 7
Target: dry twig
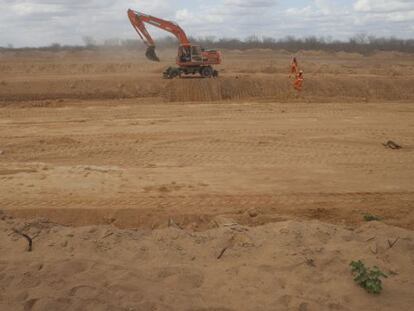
x: 222, y: 253
x: 29, y: 239
x: 391, y: 244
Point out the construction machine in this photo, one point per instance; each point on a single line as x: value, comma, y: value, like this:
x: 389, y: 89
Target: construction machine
x: 191, y: 59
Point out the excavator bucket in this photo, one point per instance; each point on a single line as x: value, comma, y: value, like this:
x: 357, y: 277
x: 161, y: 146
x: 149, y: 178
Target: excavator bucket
x: 151, y: 55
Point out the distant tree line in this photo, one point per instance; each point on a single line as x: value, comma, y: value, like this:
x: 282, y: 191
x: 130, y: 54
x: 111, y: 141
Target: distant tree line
x: 361, y: 43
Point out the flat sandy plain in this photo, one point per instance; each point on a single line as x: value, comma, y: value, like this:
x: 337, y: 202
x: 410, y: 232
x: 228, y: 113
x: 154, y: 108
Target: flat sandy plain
x: 131, y: 186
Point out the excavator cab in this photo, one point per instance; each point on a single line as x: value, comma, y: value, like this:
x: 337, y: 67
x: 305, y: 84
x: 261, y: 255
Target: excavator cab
x: 184, y: 54
x: 196, y: 54
x: 189, y: 55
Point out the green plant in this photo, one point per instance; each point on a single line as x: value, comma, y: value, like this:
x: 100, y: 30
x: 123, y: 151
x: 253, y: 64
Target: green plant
x: 369, y: 217
x: 367, y: 278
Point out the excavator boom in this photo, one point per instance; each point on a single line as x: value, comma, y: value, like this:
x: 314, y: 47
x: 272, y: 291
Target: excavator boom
x: 138, y: 21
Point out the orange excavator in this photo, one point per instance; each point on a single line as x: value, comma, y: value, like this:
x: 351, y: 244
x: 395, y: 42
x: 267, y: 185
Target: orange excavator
x: 191, y: 59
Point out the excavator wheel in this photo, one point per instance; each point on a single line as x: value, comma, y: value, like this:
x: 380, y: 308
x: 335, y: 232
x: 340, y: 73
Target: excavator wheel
x: 171, y: 73
x: 207, y: 72
x: 166, y: 73
x: 174, y: 74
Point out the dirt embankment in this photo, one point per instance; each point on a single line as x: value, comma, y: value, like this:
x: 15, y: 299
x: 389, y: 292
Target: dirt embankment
x: 280, y: 266
x: 277, y: 88
x: 245, y: 75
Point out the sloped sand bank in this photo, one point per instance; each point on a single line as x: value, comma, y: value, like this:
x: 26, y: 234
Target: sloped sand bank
x: 288, y: 265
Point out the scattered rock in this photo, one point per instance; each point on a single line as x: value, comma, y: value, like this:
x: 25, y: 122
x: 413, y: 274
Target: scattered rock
x: 392, y: 145
x: 253, y: 212
x: 1, y: 152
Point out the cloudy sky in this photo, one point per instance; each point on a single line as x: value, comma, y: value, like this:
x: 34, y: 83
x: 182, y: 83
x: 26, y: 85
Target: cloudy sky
x: 42, y: 22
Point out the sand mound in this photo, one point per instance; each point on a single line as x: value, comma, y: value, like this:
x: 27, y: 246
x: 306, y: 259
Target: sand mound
x: 280, y: 266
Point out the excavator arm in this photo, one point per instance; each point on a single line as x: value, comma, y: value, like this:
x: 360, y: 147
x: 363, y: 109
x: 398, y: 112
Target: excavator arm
x: 138, y: 21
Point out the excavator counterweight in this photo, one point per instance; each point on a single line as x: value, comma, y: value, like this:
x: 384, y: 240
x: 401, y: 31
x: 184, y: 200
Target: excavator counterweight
x: 191, y: 59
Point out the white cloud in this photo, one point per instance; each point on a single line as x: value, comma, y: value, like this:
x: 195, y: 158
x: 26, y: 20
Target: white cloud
x: 303, y: 12
x: 42, y: 22
x: 25, y: 8
x: 383, y: 6
x: 251, y: 3
x: 325, y: 6
x: 383, y: 11
x: 183, y: 15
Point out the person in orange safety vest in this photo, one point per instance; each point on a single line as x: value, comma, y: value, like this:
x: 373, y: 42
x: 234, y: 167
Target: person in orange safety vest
x: 294, y: 67
x: 298, y: 81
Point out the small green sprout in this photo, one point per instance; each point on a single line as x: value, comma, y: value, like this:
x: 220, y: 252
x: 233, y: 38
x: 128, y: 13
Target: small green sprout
x: 367, y: 278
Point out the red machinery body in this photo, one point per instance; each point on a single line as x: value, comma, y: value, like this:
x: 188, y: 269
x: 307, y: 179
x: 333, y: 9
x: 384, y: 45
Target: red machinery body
x: 191, y: 59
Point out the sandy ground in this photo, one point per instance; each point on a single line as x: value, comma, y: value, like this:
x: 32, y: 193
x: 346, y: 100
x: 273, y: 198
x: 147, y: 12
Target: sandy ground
x: 287, y: 265
x: 140, y: 182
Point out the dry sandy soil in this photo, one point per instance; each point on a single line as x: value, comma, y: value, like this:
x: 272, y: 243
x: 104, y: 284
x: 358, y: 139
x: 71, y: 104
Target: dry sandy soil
x: 131, y: 186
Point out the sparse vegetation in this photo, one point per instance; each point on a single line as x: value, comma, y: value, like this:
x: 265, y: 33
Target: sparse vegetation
x: 370, y: 217
x: 367, y: 278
